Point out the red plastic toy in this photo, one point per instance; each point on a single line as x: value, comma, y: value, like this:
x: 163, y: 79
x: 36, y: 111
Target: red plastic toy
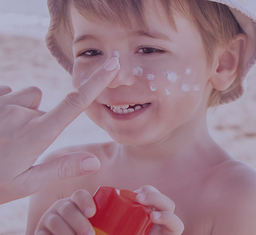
x: 118, y: 213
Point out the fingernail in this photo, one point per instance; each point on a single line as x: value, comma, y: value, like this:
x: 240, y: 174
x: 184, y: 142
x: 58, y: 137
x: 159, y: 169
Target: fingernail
x: 91, y: 164
x: 141, y: 197
x: 112, y: 64
x: 88, y: 212
x: 157, y: 215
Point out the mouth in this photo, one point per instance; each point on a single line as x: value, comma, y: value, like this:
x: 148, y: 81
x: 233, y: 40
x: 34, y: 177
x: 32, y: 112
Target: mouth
x: 125, y: 109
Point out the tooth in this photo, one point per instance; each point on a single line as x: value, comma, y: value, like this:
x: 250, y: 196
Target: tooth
x: 117, y: 110
x: 144, y: 105
x: 125, y: 111
x: 130, y: 110
x: 138, y: 107
x: 125, y: 106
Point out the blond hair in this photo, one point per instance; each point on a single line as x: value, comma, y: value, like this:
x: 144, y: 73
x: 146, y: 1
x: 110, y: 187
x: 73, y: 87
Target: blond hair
x: 214, y: 21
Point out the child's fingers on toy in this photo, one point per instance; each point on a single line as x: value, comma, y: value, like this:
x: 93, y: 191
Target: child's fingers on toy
x: 29, y: 97
x: 4, y: 90
x: 57, y: 225
x: 71, y: 214
x: 41, y: 232
x: 84, y: 202
x: 81, y: 98
x: 171, y: 222
x: 150, y: 196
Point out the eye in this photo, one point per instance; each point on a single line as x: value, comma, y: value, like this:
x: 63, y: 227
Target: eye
x: 149, y: 50
x: 90, y: 53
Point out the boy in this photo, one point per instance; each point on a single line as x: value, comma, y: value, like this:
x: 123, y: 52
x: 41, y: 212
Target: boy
x: 169, y: 61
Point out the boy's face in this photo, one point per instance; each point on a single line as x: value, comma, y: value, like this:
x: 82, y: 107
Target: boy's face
x: 163, y: 71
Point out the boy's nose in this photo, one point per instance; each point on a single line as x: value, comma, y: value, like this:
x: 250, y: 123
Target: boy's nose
x: 124, y: 76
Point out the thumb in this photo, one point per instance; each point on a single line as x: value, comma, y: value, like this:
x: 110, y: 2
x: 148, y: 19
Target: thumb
x: 64, y: 167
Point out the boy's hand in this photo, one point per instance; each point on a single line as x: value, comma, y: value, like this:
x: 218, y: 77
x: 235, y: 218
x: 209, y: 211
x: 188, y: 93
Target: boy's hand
x: 26, y: 132
x: 69, y: 216
x: 164, y: 219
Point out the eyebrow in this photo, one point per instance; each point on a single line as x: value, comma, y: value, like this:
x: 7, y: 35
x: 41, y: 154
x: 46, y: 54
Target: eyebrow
x: 154, y: 35
x: 84, y: 38
x: 138, y: 33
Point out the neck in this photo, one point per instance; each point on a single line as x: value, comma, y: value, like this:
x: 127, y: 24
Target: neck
x: 190, y: 143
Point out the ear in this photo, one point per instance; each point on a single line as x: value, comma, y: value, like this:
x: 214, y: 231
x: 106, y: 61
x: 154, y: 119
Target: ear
x: 227, y: 63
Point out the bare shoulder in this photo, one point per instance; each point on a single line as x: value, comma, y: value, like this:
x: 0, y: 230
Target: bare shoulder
x: 235, y: 199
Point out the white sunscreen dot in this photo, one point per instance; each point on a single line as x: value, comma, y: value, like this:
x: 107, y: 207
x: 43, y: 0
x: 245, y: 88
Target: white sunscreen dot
x: 188, y: 71
x: 153, y: 87
x: 197, y: 88
x: 116, y: 54
x: 137, y: 71
x: 172, y: 77
x: 150, y: 77
x: 186, y: 87
x: 167, y: 92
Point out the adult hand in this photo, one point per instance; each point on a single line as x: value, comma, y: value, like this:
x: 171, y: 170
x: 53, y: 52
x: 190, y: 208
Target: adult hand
x: 26, y: 132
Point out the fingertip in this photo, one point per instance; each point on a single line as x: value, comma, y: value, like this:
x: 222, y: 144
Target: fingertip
x: 89, y: 212
x: 112, y: 64
x: 90, y: 164
x: 4, y: 90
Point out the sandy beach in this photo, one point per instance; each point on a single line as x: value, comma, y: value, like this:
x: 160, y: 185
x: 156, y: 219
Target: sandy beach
x: 25, y: 61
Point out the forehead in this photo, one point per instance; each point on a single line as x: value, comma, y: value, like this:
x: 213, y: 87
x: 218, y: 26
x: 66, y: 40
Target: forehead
x: 128, y: 12
x: 157, y: 27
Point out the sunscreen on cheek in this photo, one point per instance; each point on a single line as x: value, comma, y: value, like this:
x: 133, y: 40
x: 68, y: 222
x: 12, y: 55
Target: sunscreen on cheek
x: 138, y: 71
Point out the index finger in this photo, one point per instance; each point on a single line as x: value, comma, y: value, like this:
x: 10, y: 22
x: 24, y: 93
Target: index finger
x: 77, y: 101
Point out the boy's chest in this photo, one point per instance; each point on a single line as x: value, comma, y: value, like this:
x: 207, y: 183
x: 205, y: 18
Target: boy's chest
x: 188, y: 194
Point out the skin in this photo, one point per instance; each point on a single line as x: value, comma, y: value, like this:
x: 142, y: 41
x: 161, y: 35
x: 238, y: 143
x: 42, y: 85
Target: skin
x: 163, y: 151
x: 18, y: 177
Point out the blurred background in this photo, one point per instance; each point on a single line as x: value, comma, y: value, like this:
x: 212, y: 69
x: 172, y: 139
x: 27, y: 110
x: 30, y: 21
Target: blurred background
x: 25, y: 61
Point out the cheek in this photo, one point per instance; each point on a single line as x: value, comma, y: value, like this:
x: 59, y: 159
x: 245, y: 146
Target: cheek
x: 170, y: 82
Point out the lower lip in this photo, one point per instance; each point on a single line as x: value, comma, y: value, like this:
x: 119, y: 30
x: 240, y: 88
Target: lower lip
x: 127, y: 116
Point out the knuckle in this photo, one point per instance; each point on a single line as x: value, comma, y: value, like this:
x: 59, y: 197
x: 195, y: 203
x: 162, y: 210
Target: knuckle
x: 65, y: 170
x: 82, y: 196
x: 66, y: 208
x: 52, y: 221
x: 75, y: 99
x: 35, y: 90
x: 5, y: 90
